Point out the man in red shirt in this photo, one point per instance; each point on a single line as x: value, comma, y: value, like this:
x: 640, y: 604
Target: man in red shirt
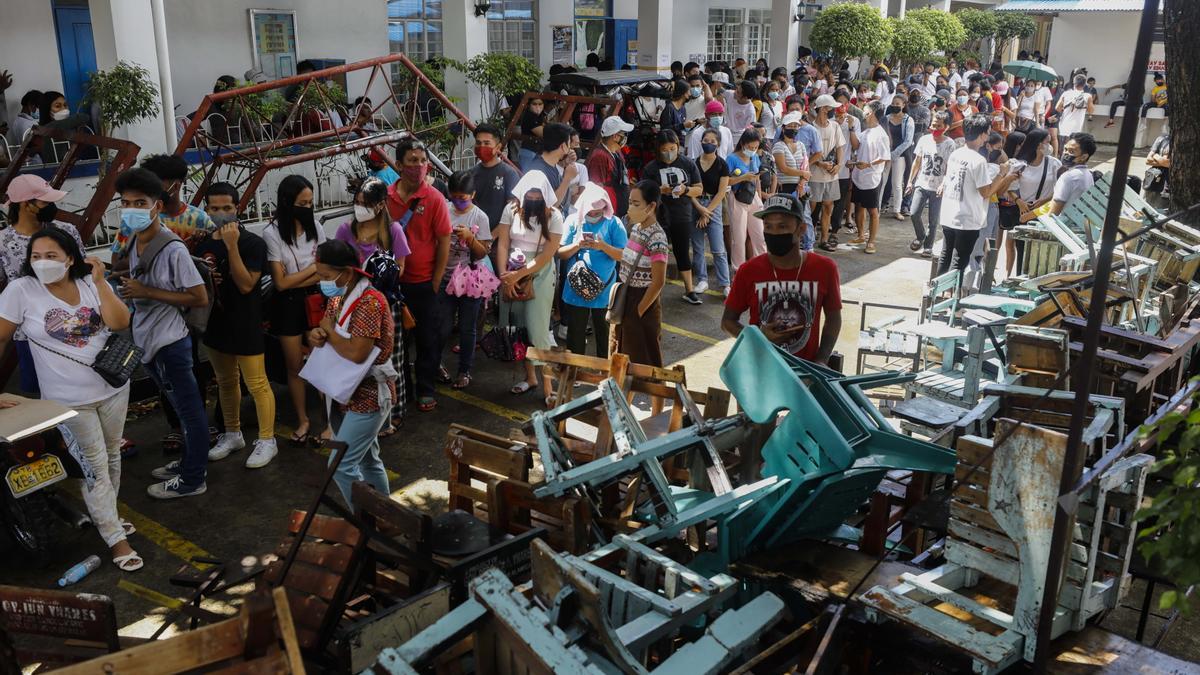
x: 606, y: 165
x: 787, y: 289
x: 421, y: 211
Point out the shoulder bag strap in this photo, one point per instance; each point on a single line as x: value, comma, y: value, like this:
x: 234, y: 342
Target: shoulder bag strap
x: 1041, y: 183
x: 156, y: 245
x: 636, y: 260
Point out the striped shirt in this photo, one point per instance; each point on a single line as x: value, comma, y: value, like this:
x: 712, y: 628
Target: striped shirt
x: 651, y: 242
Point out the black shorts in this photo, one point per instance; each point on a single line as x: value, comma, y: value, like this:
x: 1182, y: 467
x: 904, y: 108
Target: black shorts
x: 868, y: 199
x: 288, y: 316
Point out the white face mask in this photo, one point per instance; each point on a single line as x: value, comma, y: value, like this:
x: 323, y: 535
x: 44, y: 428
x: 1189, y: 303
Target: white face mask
x: 61, y: 114
x: 363, y: 213
x: 49, y: 271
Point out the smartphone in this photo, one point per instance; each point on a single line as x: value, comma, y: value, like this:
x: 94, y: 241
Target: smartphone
x: 589, y: 236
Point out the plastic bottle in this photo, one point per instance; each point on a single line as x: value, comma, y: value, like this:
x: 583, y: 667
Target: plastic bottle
x: 80, y: 570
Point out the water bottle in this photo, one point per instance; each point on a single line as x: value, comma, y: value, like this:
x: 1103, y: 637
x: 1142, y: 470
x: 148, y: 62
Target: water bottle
x: 81, y: 570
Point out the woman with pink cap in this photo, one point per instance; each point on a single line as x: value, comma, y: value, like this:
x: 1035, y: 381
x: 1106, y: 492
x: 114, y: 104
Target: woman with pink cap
x: 32, y: 206
x: 714, y: 115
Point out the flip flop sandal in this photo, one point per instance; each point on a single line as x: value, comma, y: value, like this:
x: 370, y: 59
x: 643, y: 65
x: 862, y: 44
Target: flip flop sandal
x: 130, y: 562
x: 463, y: 381
x: 521, y: 388
x: 870, y: 248
x: 128, y: 527
x: 426, y: 404
x: 387, y: 431
x: 300, y: 439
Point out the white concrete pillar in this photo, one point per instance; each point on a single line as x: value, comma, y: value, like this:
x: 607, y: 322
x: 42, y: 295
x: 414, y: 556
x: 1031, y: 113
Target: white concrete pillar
x: 654, y: 34
x: 124, y: 31
x: 945, y: 5
x: 883, y: 8
x: 464, y: 36
x: 785, y: 34
x: 902, y: 7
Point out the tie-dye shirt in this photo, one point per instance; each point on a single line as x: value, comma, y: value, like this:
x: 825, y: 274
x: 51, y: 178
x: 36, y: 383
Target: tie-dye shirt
x: 192, y: 225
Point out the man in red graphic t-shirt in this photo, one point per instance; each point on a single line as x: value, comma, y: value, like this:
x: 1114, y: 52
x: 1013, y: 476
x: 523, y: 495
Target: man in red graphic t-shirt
x: 786, y: 289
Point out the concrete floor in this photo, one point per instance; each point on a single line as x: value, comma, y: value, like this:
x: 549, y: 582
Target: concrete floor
x: 243, y: 515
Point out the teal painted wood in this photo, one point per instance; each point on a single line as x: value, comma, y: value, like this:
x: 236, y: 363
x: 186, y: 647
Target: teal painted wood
x: 441, y: 635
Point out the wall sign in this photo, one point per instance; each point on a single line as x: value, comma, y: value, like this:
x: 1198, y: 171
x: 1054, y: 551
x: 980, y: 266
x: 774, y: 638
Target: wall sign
x: 274, y: 42
x: 562, y: 45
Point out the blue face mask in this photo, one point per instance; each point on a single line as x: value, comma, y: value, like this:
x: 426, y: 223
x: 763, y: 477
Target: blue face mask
x: 593, y: 219
x: 330, y: 288
x: 715, y: 121
x: 135, y: 220
x: 775, y: 95
x: 696, y: 91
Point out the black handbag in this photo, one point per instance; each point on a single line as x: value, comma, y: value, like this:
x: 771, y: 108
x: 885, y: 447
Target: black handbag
x: 505, y: 343
x: 116, y: 361
x: 585, y: 282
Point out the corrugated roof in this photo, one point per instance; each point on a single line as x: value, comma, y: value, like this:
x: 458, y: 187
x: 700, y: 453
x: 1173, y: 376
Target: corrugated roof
x: 1071, y: 6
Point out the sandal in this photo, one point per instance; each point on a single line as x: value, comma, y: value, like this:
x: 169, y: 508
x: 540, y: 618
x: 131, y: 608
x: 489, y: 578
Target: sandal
x: 130, y: 562
x: 870, y: 248
x: 426, y: 404
x: 300, y: 438
x: 521, y: 387
x: 128, y: 527
x: 387, y: 431
x: 463, y: 381
x: 172, y: 442
x: 443, y: 375
x: 857, y: 241
x: 551, y: 400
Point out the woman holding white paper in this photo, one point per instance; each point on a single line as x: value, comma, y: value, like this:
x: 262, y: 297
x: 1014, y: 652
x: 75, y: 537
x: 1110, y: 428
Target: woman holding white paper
x: 356, y: 333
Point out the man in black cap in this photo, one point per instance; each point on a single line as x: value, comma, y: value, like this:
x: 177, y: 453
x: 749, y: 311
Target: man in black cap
x: 787, y: 289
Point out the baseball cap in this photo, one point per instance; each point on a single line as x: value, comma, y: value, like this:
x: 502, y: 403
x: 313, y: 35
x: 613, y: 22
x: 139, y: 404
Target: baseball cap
x: 1001, y: 87
x: 825, y: 101
x: 782, y: 203
x: 720, y: 77
x: 714, y: 106
x: 256, y: 76
x: 375, y: 155
x: 792, y: 118
x: 28, y: 186
x: 613, y: 125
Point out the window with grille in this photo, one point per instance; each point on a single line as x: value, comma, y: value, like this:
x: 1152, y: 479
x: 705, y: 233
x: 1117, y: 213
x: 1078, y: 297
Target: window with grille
x: 511, y: 27
x: 415, y: 28
x: 734, y: 33
x: 758, y: 34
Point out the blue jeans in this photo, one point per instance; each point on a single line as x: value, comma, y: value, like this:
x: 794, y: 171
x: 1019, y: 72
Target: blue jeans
x: 920, y: 199
x: 360, y: 431
x: 467, y: 310
x: 714, y: 234
x: 171, y: 370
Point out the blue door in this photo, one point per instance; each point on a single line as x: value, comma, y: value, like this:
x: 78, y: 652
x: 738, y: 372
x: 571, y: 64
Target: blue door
x: 624, y: 30
x: 76, y: 50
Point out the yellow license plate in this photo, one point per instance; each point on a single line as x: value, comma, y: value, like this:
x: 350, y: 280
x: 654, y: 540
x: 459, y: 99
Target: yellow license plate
x: 34, y: 476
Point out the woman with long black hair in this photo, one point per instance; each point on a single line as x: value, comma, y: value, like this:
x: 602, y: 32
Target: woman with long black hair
x: 292, y: 240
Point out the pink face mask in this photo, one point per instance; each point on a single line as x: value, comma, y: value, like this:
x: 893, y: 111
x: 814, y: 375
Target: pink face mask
x: 414, y: 174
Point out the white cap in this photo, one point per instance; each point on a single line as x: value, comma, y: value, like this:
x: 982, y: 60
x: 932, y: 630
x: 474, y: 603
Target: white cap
x: 792, y: 118
x: 613, y: 125
x: 720, y: 77
x: 825, y: 101
x: 256, y: 76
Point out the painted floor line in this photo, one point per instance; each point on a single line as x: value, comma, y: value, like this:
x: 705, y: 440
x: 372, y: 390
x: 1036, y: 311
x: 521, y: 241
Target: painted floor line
x: 163, y: 537
x: 482, y: 404
x: 689, y: 334
x: 149, y: 594
x: 715, y: 294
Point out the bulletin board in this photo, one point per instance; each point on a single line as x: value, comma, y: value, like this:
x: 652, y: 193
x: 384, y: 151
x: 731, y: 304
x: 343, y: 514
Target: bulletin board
x: 274, y: 42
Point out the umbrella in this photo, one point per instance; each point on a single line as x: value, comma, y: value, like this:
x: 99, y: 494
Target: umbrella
x: 1031, y: 70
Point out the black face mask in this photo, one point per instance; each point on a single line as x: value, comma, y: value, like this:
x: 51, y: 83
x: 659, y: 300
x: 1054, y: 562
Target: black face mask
x: 533, y: 207
x: 47, y: 213
x: 893, y: 111
x: 790, y: 133
x: 779, y: 245
x: 304, y: 216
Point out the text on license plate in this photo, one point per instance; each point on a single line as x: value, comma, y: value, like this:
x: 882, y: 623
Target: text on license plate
x: 27, y: 478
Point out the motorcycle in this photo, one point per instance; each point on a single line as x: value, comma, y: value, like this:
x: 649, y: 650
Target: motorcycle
x: 36, y: 453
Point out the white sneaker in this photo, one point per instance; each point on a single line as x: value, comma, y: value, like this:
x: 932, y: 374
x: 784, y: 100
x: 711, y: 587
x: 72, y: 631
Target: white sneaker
x: 226, y: 443
x: 701, y: 286
x: 264, y: 451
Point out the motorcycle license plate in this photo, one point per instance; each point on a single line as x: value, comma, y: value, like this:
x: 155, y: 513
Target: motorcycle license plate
x: 34, y: 476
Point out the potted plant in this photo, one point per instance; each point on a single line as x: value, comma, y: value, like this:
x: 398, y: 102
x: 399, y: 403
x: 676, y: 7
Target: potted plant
x: 124, y: 94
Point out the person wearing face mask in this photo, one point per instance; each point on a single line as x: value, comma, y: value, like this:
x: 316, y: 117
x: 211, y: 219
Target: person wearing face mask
x: 591, y: 248
x: 27, y: 117
x: 356, y: 325
x: 720, y: 86
x: 59, y: 281
x: 698, y: 96
x: 714, y: 111
x: 851, y: 127
x: 469, y: 244
x: 747, y: 192
x: 526, y: 243
x: 959, y: 112
x: 379, y: 167
x: 54, y: 113
x: 1075, y: 178
x: 32, y: 207
x: 673, y: 116
x: 679, y: 181
x: 789, y: 292
x: 825, y: 165
x: 493, y: 177
x: 868, y: 171
x: 557, y: 153
x: 234, y: 336
x: 158, y: 288
x: 740, y: 111
x: 770, y: 108
x: 1027, y: 109
x: 606, y: 163
x: 533, y: 126
x: 422, y: 213
x: 643, y: 272
x: 899, y: 127
x: 925, y: 182
x: 1038, y: 172
x: 710, y: 220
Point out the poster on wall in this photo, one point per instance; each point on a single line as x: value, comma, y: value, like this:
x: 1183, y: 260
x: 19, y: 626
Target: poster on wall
x: 562, y: 45
x: 274, y: 42
x: 591, y: 8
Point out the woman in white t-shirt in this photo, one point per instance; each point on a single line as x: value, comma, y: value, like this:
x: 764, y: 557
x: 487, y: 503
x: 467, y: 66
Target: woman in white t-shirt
x: 292, y: 255
x: 1027, y: 109
x: 527, y: 240
x: 1038, y: 170
x: 67, y: 311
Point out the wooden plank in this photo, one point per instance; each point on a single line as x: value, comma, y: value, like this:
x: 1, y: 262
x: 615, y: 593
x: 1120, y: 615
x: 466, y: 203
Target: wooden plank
x: 325, y: 527
x: 990, y: 564
x: 183, y: 653
x: 923, y: 583
x: 309, y: 579
x: 972, y: 449
x: 983, y: 537
x: 365, y: 639
x: 333, y: 557
x: 995, y: 650
x: 971, y: 514
x: 1094, y: 651
x: 307, y: 610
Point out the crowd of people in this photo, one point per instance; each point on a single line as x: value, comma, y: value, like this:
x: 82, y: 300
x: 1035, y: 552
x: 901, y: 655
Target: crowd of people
x: 762, y: 168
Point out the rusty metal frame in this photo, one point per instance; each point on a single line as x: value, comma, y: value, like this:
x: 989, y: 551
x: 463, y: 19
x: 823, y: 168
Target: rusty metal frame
x: 281, y: 149
x: 603, y: 105
x: 126, y: 153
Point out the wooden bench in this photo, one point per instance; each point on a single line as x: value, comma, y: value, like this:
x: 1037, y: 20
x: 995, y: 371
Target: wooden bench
x: 261, y: 639
x: 54, y: 628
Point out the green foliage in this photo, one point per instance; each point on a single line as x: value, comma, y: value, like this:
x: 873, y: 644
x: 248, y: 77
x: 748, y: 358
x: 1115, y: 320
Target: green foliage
x: 978, y: 24
x: 1171, y: 524
x: 1011, y: 25
x: 125, y: 94
x: 911, y: 43
x: 322, y: 96
x: 500, y: 73
x: 270, y: 103
x: 851, y: 29
x: 947, y: 31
